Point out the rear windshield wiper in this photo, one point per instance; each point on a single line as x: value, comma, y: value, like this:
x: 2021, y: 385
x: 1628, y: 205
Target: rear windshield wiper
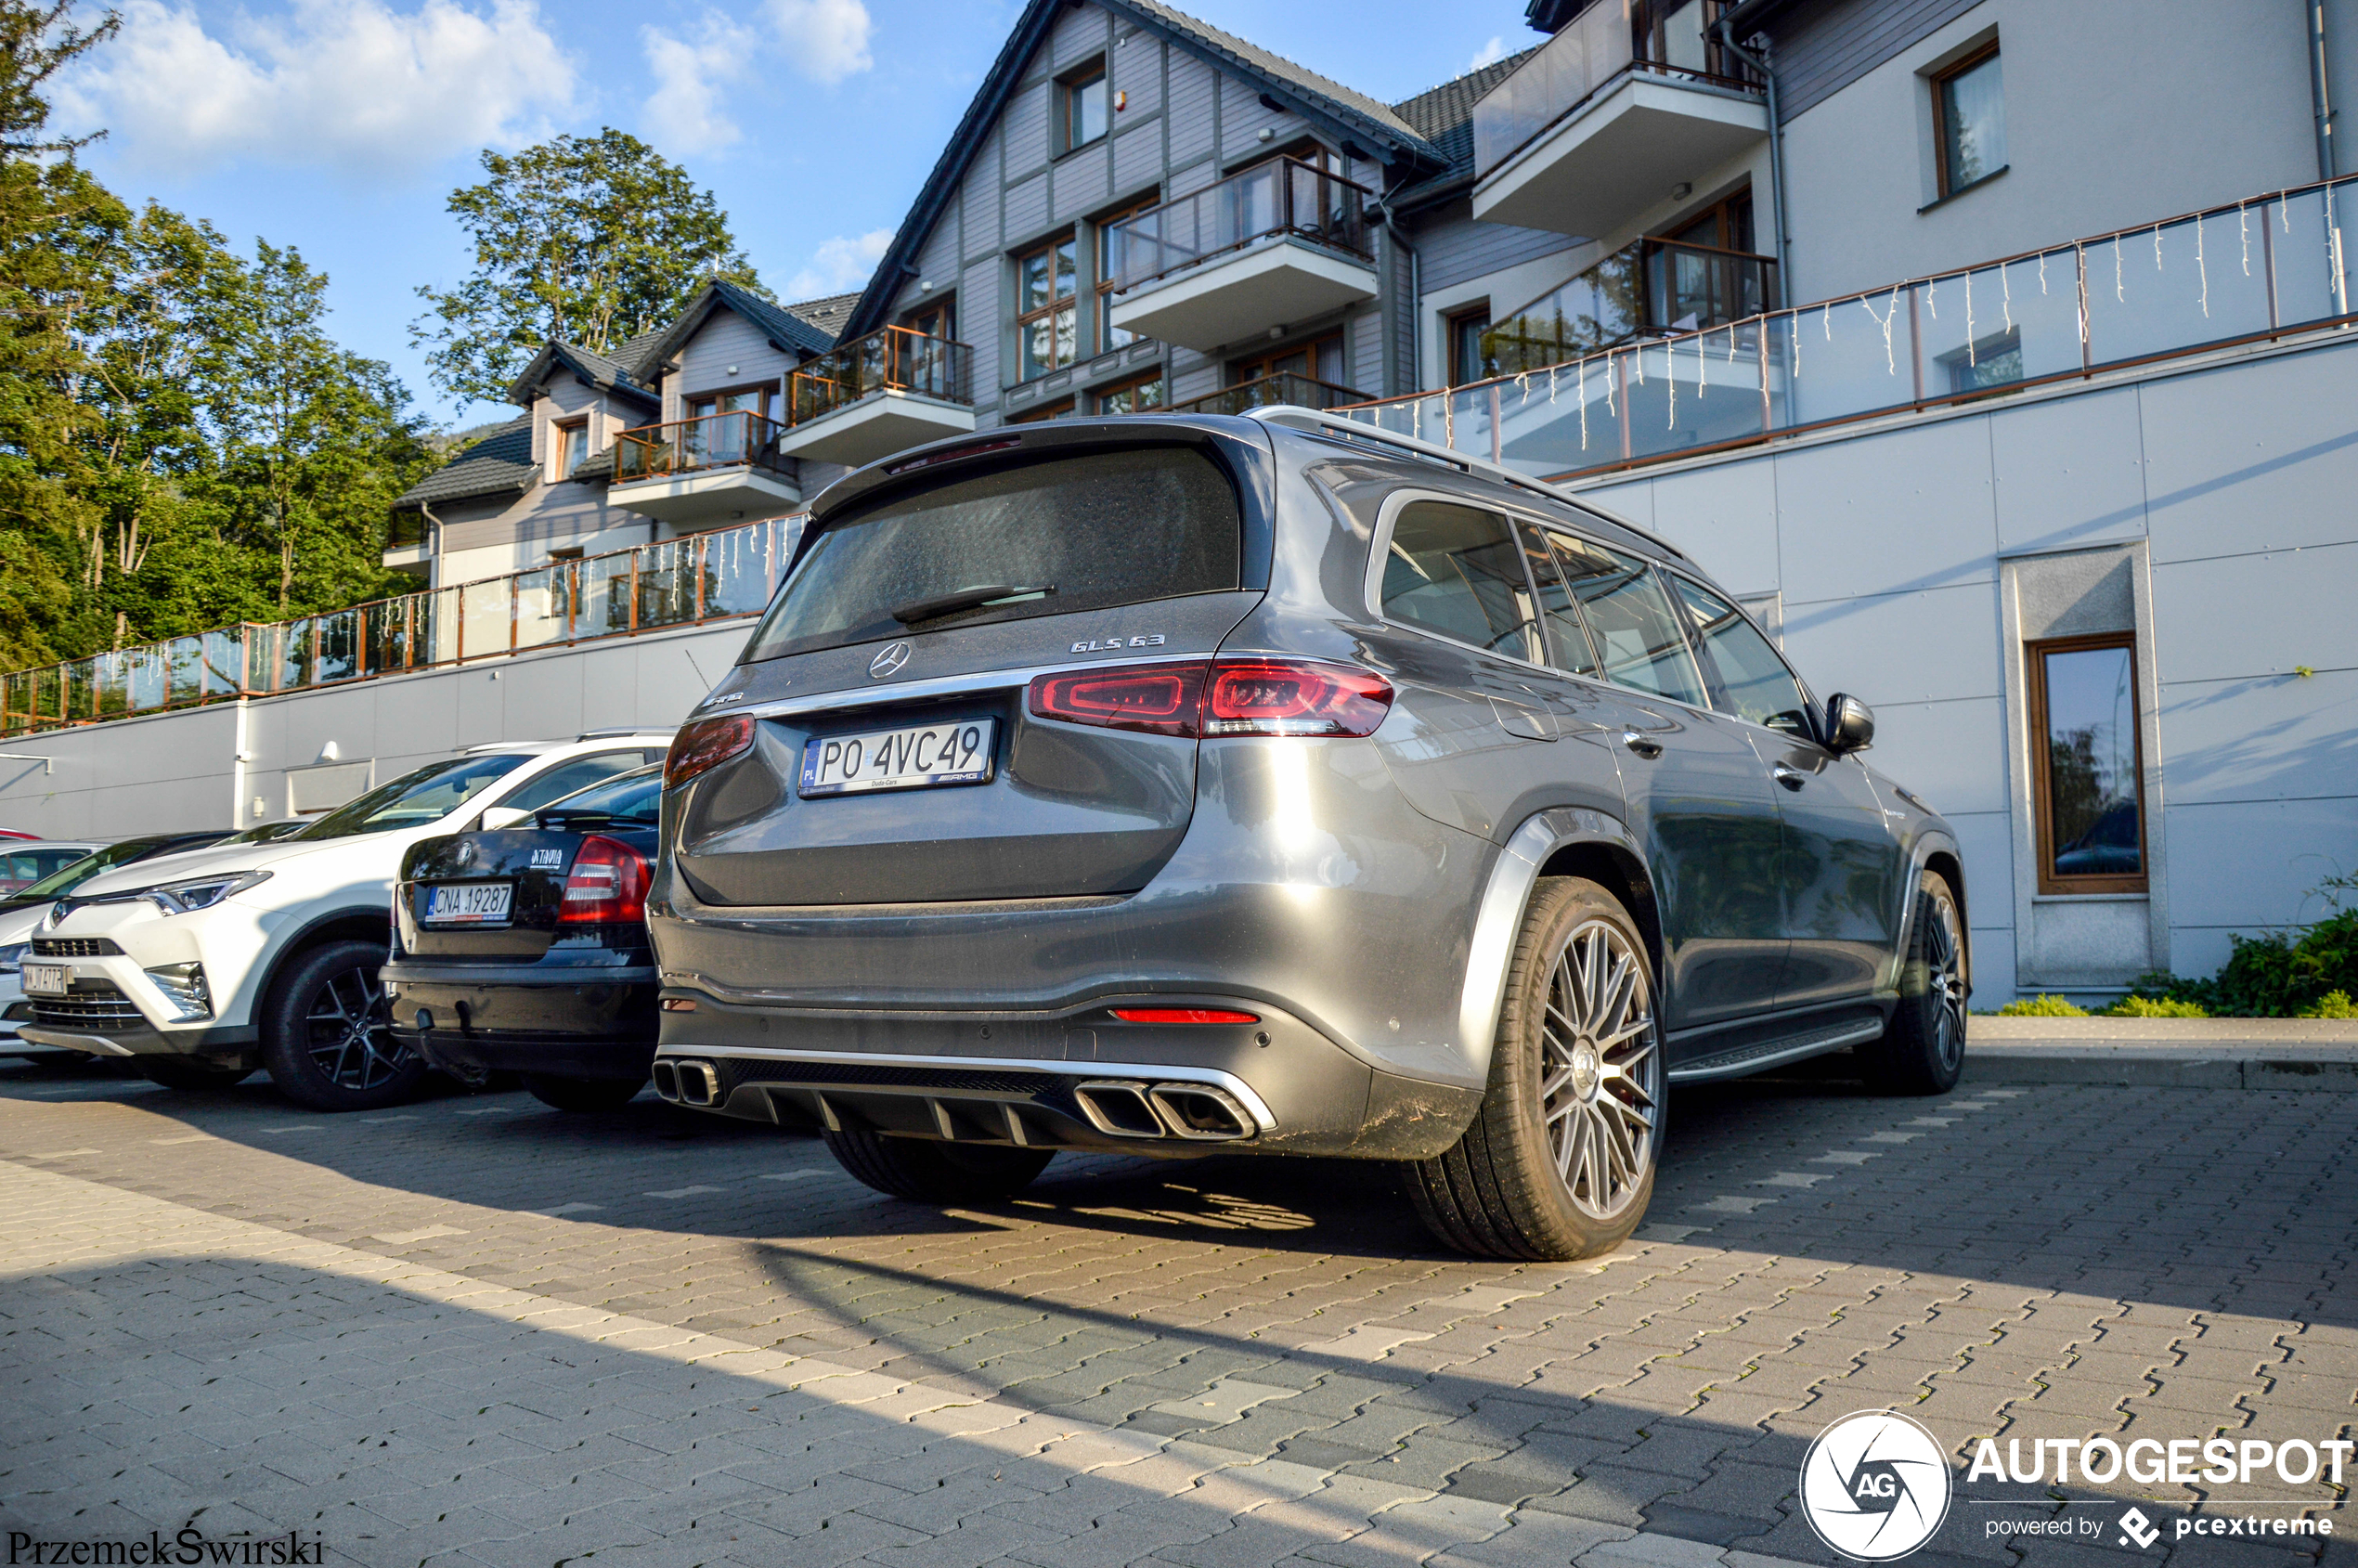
x: 982, y: 596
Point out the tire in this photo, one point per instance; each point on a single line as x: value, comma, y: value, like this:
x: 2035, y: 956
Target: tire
x: 190, y: 1073
x: 1922, y: 1049
x: 925, y: 1171
x: 1560, y: 1161
x: 325, y: 1034
x: 581, y: 1093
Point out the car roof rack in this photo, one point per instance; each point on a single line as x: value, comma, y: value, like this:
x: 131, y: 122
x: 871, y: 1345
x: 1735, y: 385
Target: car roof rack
x: 1294, y: 416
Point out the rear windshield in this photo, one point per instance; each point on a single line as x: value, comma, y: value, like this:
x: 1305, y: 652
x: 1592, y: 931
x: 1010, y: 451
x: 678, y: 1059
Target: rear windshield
x: 425, y: 794
x: 1077, y: 533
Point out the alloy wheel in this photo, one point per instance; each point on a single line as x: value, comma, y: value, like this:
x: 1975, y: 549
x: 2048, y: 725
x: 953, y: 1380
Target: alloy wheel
x: 1945, y: 976
x: 348, y: 1033
x: 1601, y: 1069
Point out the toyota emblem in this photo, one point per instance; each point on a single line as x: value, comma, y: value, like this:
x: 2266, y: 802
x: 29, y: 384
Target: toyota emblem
x: 894, y: 655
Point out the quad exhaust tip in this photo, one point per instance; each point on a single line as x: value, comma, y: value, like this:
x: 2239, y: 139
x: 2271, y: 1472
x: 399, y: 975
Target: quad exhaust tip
x: 1195, y: 1111
x: 693, y: 1084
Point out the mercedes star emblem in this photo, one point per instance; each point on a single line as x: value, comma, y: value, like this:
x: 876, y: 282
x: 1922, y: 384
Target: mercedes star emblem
x: 894, y: 655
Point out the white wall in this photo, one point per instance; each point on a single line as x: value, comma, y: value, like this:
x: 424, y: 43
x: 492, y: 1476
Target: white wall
x: 170, y: 770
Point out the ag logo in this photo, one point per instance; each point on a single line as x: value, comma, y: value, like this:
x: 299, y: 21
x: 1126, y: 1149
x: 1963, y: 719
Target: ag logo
x: 1874, y: 1485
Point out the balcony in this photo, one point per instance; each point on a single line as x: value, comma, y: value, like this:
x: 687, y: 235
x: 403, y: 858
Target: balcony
x: 1281, y: 243
x: 1591, y: 131
x: 880, y: 395
x: 1264, y: 392
x: 704, y: 472
x: 1646, y: 289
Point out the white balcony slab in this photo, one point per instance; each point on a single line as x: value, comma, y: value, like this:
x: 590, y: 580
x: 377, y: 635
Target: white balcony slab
x: 709, y: 498
x: 1620, y: 153
x: 1239, y: 295
x: 876, y: 426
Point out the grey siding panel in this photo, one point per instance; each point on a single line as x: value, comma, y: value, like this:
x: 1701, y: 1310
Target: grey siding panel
x: 546, y: 517
x: 1364, y: 349
x: 1079, y: 33
x: 938, y: 259
x: 1194, y: 90
x: 1821, y: 48
x: 1243, y: 118
x: 979, y: 205
x: 978, y: 313
x: 1026, y: 209
x: 1195, y: 176
x: 1457, y: 250
x: 1138, y: 157
x: 1137, y: 74
x: 1082, y: 183
x: 1024, y: 130
x: 1195, y: 383
x: 729, y: 338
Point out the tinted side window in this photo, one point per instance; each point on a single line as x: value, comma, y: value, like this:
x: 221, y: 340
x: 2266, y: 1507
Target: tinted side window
x: 1746, y: 677
x: 1636, y: 629
x: 1568, y: 646
x: 1456, y: 570
x: 567, y: 778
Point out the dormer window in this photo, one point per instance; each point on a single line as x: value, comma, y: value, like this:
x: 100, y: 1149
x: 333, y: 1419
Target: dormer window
x: 572, y: 445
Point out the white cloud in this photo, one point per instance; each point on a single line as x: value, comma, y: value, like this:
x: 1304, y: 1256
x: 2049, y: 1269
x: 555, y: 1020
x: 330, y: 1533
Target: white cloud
x: 827, y: 40
x: 687, y: 113
x: 839, y: 265
x: 352, y: 84
x: 1491, y: 54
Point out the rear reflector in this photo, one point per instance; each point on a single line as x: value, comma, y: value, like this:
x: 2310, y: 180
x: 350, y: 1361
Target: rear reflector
x: 702, y: 746
x: 1184, y: 1015
x: 608, y: 882
x: 1231, y: 697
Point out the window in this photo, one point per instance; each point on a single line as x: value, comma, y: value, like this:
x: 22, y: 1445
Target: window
x: 1630, y: 619
x: 1995, y: 360
x: 1083, y: 107
x: 572, y: 445
x: 1108, y: 268
x: 1568, y: 646
x: 1468, y: 362
x: 1045, y: 321
x: 1456, y: 570
x: 2089, y: 784
x: 1680, y: 34
x: 1320, y: 359
x: 935, y: 318
x: 1744, y: 673
x: 1061, y: 409
x: 1969, y: 120
x: 1134, y: 396
x: 762, y: 400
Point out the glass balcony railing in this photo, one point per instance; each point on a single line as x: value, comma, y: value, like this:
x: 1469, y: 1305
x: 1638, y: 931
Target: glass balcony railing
x: 1263, y: 392
x: 1282, y: 196
x: 1594, y: 51
x: 706, y: 577
x: 1648, y: 289
x: 1577, y: 395
x: 737, y: 439
x: 894, y: 359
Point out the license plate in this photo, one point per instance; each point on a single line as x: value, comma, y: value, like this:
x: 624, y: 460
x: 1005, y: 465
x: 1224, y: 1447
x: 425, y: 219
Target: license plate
x: 468, y: 903
x: 48, y: 980
x: 920, y: 757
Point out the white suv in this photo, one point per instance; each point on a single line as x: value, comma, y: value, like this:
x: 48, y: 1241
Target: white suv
x: 249, y: 956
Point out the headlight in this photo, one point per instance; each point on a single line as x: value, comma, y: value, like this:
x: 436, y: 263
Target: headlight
x: 181, y: 898
x: 12, y: 958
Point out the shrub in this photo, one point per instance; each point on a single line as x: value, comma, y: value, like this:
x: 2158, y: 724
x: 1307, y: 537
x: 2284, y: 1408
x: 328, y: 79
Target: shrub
x: 2153, y: 1007
x: 2270, y: 976
x: 2333, y: 1005
x: 2042, y: 1007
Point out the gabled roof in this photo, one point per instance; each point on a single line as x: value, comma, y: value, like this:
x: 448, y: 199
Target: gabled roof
x: 607, y: 375
x: 498, y: 465
x: 787, y: 333
x: 1443, y: 116
x: 1349, y: 117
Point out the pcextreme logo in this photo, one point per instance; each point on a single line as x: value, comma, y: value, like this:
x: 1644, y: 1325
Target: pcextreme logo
x: 1874, y: 1485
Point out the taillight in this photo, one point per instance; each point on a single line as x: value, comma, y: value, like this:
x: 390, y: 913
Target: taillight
x: 702, y: 746
x: 608, y: 882
x: 1163, y: 699
x: 1232, y: 697
x: 1293, y: 697
x: 1184, y: 1015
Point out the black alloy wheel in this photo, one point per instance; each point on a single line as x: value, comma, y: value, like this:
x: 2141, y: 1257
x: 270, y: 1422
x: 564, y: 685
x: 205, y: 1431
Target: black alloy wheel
x: 327, y: 1036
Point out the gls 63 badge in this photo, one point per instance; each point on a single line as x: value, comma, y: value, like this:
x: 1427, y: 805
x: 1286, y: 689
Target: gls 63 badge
x: 1874, y: 1485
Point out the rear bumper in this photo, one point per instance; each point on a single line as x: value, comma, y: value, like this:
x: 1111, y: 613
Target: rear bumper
x: 565, y: 1021
x: 1073, y: 1079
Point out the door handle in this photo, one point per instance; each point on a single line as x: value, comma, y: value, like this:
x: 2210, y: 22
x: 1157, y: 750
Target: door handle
x: 1792, y: 778
x: 1644, y: 745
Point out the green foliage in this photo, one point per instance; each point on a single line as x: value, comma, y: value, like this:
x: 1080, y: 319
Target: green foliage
x: 2333, y: 1005
x: 182, y: 445
x: 589, y: 240
x: 2276, y: 975
x: 2042, y: 1006
x: 2153, y: 1007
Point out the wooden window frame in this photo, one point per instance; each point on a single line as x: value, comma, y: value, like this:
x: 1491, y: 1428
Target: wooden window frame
x: 769, y: 389
x: 1308, y: 347
x: 946, y: 304
x: 1451, y: 327
x: 1101, y: 325
x: 1060, y: 409
x: 2041, y: 799
x: 1097, y: 396
x: 1068, y: 89
x: 566, y: 432
x: 1943, y: 182
x: 1024, y: 318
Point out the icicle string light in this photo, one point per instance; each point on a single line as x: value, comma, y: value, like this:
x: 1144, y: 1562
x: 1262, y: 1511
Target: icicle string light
x: 1970, y: 363
x: 2117, y: 287
x: 1884, y: 321
x: 1703, y: 368
x: 1611, y: 375
x: 2243, y: 222
x: 2202, y: 270
x: 1932, y: 299
x: 2156, y: 247
x: 1551, y: 382
x: 1670, y: 374
x: 2043, y: 274
x: 2079, y: 307
x: 1523, y: 380
x: 1580, y: 377
x: 1792, y: 330
x: 2006, y: 295
x: 1827, y: 321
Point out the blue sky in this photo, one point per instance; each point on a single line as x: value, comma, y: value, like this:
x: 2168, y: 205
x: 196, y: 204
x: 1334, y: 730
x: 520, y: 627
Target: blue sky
x: 341, y: 126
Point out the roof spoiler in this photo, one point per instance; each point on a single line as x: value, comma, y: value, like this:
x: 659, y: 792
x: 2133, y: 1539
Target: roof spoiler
x: 1317, y: 423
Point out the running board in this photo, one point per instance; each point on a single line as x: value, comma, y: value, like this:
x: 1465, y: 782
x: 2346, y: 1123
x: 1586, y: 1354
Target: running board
x: 1777, y: 1052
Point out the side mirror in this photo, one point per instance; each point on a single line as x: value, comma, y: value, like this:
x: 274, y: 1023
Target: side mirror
x: 1850, y: 724
x: 497, y: 817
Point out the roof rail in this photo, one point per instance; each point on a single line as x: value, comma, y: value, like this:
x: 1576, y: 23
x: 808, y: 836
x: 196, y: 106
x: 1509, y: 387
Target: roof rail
x: 1311, y: 419
x: 651, y: 730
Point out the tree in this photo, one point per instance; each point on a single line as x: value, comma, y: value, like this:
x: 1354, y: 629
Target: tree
x: 588, y: 240
x: 35, y: 40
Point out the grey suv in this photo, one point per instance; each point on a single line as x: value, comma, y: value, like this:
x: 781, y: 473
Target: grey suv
x: 1165, y: 785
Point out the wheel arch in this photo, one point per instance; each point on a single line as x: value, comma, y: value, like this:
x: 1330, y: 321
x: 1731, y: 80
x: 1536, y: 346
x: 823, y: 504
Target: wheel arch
x: 363, y: 923
x: 1936, y: 852
x: 1563, y: 841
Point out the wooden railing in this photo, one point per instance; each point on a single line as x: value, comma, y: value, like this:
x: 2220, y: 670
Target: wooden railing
x: 892, y: 360
x: 740, y: 439
x: 1282, y: 196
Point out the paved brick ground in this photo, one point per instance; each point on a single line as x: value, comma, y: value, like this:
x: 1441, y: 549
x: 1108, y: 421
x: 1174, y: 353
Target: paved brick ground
x: 477, y: 1331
